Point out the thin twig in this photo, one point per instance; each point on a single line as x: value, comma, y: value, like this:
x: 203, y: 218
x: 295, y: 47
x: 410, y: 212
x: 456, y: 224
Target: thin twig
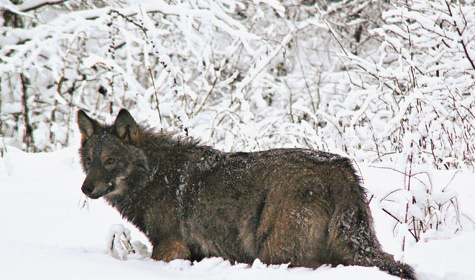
x: 155, y: 91
x: 460, y: 33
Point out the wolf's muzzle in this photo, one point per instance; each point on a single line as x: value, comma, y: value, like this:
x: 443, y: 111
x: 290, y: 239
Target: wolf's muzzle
x: 90, y: 191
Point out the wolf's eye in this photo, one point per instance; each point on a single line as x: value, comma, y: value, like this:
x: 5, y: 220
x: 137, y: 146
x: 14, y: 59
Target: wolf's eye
x: 87, y: 162
x: 109, y: 161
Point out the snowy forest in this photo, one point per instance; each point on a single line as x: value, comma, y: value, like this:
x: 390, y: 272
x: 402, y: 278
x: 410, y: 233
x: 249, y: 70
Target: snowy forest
x: 390, y: 83
x: 376, y: 80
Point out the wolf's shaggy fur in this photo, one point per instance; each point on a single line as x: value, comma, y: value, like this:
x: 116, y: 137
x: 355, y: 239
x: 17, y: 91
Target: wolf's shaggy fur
x: 296, y: 206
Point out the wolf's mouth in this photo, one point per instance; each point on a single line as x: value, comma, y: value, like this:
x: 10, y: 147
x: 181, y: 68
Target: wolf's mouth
x: 110, y: 188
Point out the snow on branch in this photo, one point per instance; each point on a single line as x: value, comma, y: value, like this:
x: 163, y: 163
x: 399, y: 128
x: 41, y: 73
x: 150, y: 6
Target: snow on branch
x: 31, y: 5
x: 371, y: 81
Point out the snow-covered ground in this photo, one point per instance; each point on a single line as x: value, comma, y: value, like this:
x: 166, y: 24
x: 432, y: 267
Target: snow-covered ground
x: 45, y: 234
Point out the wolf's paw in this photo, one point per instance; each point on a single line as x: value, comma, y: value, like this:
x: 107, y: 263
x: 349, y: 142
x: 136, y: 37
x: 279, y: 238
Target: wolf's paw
x: 120, y: 245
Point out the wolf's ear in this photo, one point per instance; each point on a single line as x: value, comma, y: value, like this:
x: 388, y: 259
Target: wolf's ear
x: 87, y: 126
x: 126, y: 127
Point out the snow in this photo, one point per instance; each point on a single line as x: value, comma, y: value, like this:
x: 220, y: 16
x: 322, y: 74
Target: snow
x: 46, y: 234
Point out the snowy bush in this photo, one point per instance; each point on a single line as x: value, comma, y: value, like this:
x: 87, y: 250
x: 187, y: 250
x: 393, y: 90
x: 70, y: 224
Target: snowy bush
x: 239, y: 75
x: 422, y: 209
x: 421, y: 95
x: 359, y: 77
x: 417, y: 108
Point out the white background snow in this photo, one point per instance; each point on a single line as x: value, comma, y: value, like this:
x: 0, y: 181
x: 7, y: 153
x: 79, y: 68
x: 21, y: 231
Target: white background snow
x: 388, y: 83
x: 45, y: 234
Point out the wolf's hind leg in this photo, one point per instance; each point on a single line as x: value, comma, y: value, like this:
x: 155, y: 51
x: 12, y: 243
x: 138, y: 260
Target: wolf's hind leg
x: 168, y: 250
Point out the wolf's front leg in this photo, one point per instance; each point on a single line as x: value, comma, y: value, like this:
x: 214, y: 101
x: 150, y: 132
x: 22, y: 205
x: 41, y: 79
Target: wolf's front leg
x: 169, y: 250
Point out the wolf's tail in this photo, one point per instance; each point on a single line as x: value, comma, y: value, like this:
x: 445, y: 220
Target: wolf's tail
x: 355, y: 243
x: 387, y: 263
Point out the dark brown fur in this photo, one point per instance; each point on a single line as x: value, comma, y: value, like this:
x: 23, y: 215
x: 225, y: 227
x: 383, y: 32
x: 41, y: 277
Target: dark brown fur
x: 296, y: 206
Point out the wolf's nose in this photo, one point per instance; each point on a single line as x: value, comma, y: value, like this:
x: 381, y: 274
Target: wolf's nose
x: 87, y: 189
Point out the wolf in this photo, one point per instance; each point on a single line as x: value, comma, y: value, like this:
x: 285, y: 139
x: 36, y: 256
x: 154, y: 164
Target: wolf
x: 297, y: 206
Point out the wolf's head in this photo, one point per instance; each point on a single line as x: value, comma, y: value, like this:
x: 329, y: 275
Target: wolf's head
x: 109, y: 155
